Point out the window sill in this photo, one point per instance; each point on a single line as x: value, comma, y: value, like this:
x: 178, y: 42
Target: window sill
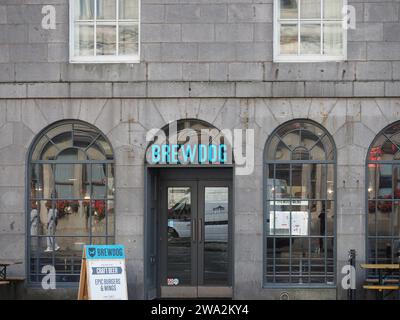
x: 308, y: 59
x: 104, y: 61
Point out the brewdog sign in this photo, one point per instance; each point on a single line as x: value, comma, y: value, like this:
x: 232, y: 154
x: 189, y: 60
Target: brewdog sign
x: 103, y: 273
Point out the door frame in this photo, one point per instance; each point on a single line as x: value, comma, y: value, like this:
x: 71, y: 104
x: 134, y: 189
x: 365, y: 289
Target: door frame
x: 226, y: 174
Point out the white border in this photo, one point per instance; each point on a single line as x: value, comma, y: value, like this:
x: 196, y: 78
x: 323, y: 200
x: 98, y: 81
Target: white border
x: 99, y: 59
x: 277, y: 57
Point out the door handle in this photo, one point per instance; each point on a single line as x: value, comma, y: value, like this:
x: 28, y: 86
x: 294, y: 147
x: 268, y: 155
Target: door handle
x: 200, y: 230
x: 194, y: 230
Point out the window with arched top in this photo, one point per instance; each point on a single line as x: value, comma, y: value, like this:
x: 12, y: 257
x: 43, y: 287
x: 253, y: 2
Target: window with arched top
x: 299, y: 205
x: 383, y: 194
x: 70, y: 198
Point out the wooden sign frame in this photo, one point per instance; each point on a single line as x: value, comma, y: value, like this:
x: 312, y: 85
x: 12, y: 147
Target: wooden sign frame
x: 84, y: 279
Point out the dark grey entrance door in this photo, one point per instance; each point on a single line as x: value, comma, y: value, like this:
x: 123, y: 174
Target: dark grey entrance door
x: 195, y: 238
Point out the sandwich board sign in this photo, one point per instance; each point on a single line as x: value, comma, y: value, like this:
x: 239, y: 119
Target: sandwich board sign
x: 103, y: 273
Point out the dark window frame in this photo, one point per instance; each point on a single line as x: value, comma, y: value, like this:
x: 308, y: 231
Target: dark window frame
x: 332, y: 161
x: 94, y: 135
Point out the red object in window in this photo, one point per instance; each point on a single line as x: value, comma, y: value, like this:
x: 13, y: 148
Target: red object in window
x: 375, y: 155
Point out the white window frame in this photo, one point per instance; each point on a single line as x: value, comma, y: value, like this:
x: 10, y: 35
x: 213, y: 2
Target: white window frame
x: 95, y: 58
x: 278, y: 57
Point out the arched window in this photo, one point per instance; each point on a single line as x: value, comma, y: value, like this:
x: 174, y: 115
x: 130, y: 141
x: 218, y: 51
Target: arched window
x: 70, y: 197
x: 299, y: 202
x: 383, y: 193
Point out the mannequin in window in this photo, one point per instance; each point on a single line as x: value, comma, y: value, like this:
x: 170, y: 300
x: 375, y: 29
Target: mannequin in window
x: 51, y: 227
x: 34, y: 223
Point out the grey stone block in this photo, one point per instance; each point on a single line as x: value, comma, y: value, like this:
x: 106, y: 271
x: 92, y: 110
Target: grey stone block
x: 129, y: 89
x: 250, y: 13
x: 195, y: 13
x: 214, y: 52
x: 246, y: 71
x: 319, y: 89
x: 356, y: 51
x: 344, y: 89
x: 197, y: 32
x: 396, y: 70
x: 3, y: 14
x: 4, y: 54
x: 392, y: 88
x: 103, y: 72
x: 91, y: 90
x: 366, y: 32
x: 212, y: 89
x: 164, y: 71
x: 168, y: 89
x: 253, y: 89
x: 254, y: 51
x: 391, y: 32
x: 150, y: 52
x: 39, y: 35
x: 179, y: 52
x: 218, y: 71
x: 48, y: 90
x: 57, y: 52
x: 37, y: 71
x: 152, y: 13
x: 383, y: 51
x: 28, y: 52
x: 263, y: 32
x: 374, y: 70
x: 14, y: 34
x: 195, y: 72
x: 369, y: 89
x: 160, y: 32
x: 288, y: 89
x: 13, y: 91
x: 7, y: 72
x: 381, y: 12
x: 233, y: 32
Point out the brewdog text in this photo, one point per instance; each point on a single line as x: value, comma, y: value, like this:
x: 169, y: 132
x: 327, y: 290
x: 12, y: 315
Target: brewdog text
x: 188, y: 154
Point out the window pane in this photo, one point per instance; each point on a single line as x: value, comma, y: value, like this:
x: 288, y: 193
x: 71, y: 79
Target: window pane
x: 300, y: 181
x: 98, y: 212
x: 396, y: 219
x: 128, y: 40
x: 333, y: 41
x: 71, y: 181
x: 72, y: 218
x: 106, y: 40
x: 84, y: 40
x: 84, y: 9
x: 396, y: 182
x: 310, y: 9
x: 289, y: 9
x: 282, y: 181
x: 128, y: 9
x: 318, y: 216
x: 372, y: 209
x: 42, y: 181
x: 106, y: 9
x: 333, y: 9
x: 383, y: 218
x: 310, y: 39
x: 99, y: 181
x: 282, y: 247
x: 289, y: 39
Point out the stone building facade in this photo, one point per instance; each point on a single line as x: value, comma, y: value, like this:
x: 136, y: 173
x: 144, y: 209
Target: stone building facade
x: 210, y: 60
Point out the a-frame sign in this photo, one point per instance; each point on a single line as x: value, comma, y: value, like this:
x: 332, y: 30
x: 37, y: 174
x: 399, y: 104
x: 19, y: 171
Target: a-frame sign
x: 103, y: 273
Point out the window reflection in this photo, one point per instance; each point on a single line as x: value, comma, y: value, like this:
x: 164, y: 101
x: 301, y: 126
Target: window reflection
x: 383, y: 191
x: 71, y: 200
x: 301, y: 209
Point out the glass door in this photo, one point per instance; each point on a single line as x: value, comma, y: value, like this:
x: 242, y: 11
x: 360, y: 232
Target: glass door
x: 195, y: 239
